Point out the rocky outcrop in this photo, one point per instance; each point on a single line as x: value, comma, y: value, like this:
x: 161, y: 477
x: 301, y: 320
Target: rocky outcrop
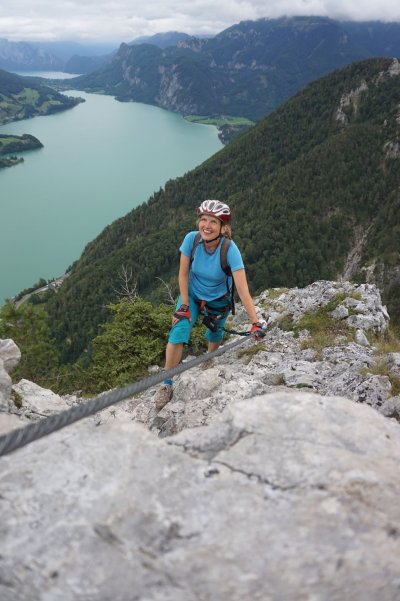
x: 257, y: 481
x: 349, y: 103
x: 347, y: 366
x: 9, y: 358
x: 285, y: 496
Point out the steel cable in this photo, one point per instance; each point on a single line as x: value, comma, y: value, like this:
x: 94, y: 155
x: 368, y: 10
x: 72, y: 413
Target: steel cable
x: 22, y: 436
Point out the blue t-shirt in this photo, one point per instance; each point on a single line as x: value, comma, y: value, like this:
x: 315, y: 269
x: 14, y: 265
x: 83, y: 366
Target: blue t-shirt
x: 207, y: 280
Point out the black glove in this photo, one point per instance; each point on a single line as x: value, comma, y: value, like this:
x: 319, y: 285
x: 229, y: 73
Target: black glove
x: 258, y: 330
x: 183, y: 313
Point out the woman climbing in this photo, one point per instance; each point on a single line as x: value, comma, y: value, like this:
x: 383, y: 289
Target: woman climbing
x: 205, y: 287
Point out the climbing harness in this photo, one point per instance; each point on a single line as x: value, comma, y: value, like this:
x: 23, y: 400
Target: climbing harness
x: 212, y: 316
x: 18, y: 438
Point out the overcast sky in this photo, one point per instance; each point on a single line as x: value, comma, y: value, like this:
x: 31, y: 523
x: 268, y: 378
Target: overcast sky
x: 124, y: 20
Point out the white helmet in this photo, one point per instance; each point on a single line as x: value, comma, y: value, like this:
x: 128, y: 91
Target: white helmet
x: 217, y: 208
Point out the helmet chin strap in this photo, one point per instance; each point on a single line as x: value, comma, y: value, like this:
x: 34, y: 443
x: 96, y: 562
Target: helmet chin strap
x: 213, y: 239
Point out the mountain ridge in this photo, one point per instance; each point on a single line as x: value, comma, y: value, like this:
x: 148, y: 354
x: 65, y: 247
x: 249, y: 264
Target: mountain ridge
x: 246, y: 70
x: 299, y: 184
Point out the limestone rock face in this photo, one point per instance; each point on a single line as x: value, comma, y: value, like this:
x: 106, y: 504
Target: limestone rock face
x: 9, y: 353
x: 394, y: 363
x: 9, y: 358
x: 37, y: 402
x: 285, y: 496
x: 272, y: 474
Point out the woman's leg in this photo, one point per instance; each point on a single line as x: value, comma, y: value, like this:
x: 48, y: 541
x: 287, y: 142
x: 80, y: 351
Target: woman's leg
x: 212, y: 346
x: 173, y: 354
x: 179, y: 335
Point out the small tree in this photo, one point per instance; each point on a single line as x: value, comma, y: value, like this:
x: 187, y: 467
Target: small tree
x: 132, y: 341
x: 27, y: 326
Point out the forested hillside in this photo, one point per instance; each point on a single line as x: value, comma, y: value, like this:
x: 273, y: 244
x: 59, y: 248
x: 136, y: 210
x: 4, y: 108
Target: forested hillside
x: 316, y: 179
x: 23, y: 97
x: 246, y: 70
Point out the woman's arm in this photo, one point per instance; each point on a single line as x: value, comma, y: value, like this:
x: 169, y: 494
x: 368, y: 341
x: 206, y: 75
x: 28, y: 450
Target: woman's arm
x: 242, y: 288
x: 183, y: 279
x: 183, y: 312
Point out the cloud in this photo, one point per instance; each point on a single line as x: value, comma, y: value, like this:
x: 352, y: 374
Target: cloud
x: 124, y: 20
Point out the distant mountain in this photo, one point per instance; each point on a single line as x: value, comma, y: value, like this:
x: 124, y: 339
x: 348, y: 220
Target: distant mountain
x: 66, y: 49
x: 314, y: 190
x: 71, y: 57
x: 23, y: 97
x: 246, y: 70
x: 85, y: 64
x: 379, y: 38
x: 162, y: 40
x: 22, y: 56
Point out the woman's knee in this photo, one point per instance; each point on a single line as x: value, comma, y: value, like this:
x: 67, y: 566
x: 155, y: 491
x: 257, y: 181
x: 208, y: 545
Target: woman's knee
x: 180, y: 332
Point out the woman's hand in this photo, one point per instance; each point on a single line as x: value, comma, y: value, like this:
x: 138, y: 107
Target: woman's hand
x: 258, y: 329
x: 183, y: 312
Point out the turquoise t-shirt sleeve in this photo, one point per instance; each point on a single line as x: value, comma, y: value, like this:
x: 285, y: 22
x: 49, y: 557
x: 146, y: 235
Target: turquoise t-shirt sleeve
x: 234, y: 257
x: 187, y: 244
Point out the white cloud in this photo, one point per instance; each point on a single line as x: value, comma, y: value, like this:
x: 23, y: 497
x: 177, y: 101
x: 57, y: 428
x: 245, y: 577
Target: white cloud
x: 123, y: 20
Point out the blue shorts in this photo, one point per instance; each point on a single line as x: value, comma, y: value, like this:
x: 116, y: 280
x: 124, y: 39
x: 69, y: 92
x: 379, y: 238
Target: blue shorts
x: 180, y: 332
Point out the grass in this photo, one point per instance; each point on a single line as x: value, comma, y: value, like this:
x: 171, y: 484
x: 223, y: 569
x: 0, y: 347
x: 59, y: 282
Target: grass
x: 219, y: 121
x: 389, y: 342
x: 17, y: 398
x: 274, y: 293
x: 339, y: 298
x: 28, y: 95
x: 43, y: 108
x: 324, y: 330
x: 249, y: 353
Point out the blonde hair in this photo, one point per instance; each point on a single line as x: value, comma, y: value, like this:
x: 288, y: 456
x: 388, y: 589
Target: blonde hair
x: 228, y: 230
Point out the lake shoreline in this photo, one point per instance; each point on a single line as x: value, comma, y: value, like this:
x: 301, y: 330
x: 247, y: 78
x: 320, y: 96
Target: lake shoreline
x: 98, y: 162
x: 10, y: 144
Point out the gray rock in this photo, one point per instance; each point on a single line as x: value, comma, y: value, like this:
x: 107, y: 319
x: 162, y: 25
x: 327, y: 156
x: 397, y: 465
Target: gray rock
x: 9, y: 422
x: 9, y: 353
x: 375, y: 322
x: 341, y: 312
x: 364, y: 300
x: 9, y: 358
x: 242, y: 487
x: 391, y: 407
x: 394, y: 364
x: 361, y: 338
x: 37, y: 401
x: 5, y: 388
x: 284, y: 496
x: 374, y: 391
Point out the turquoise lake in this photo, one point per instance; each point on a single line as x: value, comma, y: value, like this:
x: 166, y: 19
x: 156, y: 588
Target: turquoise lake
x: 100, y: 160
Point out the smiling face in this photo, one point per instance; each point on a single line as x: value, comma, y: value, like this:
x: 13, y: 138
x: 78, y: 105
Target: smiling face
x: 210, y: 227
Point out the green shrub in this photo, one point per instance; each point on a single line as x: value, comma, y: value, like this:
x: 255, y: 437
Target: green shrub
x: 29, y: 329
x: 130, y: 342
